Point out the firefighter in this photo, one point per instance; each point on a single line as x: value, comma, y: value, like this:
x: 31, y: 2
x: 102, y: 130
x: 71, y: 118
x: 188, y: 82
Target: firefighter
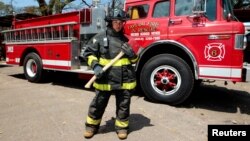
x: 119, y: 80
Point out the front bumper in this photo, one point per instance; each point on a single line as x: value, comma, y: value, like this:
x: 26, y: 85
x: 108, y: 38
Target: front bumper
x: 246, y: 72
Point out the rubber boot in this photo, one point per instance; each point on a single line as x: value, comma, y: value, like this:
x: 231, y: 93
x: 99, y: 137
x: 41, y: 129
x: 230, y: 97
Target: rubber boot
x: 90, y: 132
x: 122, y: 134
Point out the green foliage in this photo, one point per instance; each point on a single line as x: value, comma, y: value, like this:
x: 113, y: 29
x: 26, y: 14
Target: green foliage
x: 241, y: 4
x: 5, y: 9
x: 44, y: 8
x: 53, y: 6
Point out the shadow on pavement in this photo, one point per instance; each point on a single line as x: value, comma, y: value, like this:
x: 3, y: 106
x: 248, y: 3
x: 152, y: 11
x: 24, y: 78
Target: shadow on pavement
x: 136, y: 122
x: 221, y: 99
x: 65, y: 79
x: 19, y: 76
x: 4, y: 65
x: 210, y: 97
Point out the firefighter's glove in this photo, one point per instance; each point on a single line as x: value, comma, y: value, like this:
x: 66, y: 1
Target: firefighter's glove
x: 127, y: 49
x: 98, y: 71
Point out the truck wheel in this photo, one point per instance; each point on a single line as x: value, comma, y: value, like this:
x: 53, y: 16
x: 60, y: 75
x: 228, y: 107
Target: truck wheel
x: 33, y: 67
x: 167, y: 78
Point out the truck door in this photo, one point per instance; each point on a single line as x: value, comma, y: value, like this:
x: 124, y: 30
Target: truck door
x: 209, y: 36
x: 148, y: 21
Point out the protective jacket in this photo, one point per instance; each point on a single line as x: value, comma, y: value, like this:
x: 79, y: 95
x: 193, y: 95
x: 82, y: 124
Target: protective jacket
x: 101, y: 49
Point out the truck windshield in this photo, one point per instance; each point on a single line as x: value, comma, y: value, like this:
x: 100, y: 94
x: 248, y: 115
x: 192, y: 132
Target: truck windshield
x: 228, y: 8
x: 185, y: 7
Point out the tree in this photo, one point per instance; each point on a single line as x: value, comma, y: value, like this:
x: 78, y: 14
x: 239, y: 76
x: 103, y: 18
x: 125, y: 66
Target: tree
x: 53, y: 7
x: 116, y: 4
x: 32, y: 10
x: 2, y: 7
x: 241, y: 4
x: 5, y: 9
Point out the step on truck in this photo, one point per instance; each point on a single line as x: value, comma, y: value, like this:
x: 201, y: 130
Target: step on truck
x: 179, y: 43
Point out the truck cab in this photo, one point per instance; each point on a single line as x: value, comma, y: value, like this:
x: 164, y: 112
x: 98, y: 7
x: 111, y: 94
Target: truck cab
x: 183, y: 42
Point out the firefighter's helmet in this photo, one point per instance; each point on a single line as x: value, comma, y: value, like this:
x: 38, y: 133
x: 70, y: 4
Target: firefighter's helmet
x: 116, y: 14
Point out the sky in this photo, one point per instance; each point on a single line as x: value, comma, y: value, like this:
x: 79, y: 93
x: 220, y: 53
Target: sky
x: 23, y: 3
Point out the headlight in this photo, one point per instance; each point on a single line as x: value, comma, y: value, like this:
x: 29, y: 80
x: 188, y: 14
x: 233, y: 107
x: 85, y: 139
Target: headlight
x: 240, y: 42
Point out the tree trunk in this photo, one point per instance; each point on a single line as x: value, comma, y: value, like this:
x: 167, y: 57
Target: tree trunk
x: 43, y: 7
x: 54, y: 6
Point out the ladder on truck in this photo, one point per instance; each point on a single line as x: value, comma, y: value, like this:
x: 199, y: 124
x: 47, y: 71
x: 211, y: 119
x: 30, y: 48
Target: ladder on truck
x: 41, y: 34
x: 52, y: 33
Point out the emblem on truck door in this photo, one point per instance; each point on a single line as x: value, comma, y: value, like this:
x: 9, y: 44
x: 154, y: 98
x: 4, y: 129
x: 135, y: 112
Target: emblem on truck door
x: 214, y: 51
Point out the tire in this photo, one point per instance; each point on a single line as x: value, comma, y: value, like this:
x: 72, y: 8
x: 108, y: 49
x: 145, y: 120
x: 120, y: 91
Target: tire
x: 167, y: 78
x: 33, y: 68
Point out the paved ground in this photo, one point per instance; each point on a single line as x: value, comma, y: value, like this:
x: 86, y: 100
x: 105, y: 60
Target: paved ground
x: 56, y: 111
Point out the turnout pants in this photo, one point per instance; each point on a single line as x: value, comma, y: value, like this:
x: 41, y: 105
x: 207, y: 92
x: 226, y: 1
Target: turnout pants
x: 100, y: 102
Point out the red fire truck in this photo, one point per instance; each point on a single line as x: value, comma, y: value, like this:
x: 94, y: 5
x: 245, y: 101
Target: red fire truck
x: 181, y: 42
x: 6, y: 23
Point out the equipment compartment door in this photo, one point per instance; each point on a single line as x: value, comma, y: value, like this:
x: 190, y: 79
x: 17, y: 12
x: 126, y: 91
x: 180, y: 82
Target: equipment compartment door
x: 57, y: 56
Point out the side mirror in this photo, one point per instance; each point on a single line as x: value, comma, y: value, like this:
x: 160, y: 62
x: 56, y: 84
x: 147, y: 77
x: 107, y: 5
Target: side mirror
x: 229, y: 17
x: 199, y: 7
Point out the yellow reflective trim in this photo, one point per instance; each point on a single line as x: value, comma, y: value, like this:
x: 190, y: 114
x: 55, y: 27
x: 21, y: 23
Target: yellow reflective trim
x: 107, y: 87
x: 93, y: 121
x: 91, y: 58
x: 129, y: 86
x: 122, y: 124
x: 120, y: 62
x: 134, y: 60
x: 102, y: 87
